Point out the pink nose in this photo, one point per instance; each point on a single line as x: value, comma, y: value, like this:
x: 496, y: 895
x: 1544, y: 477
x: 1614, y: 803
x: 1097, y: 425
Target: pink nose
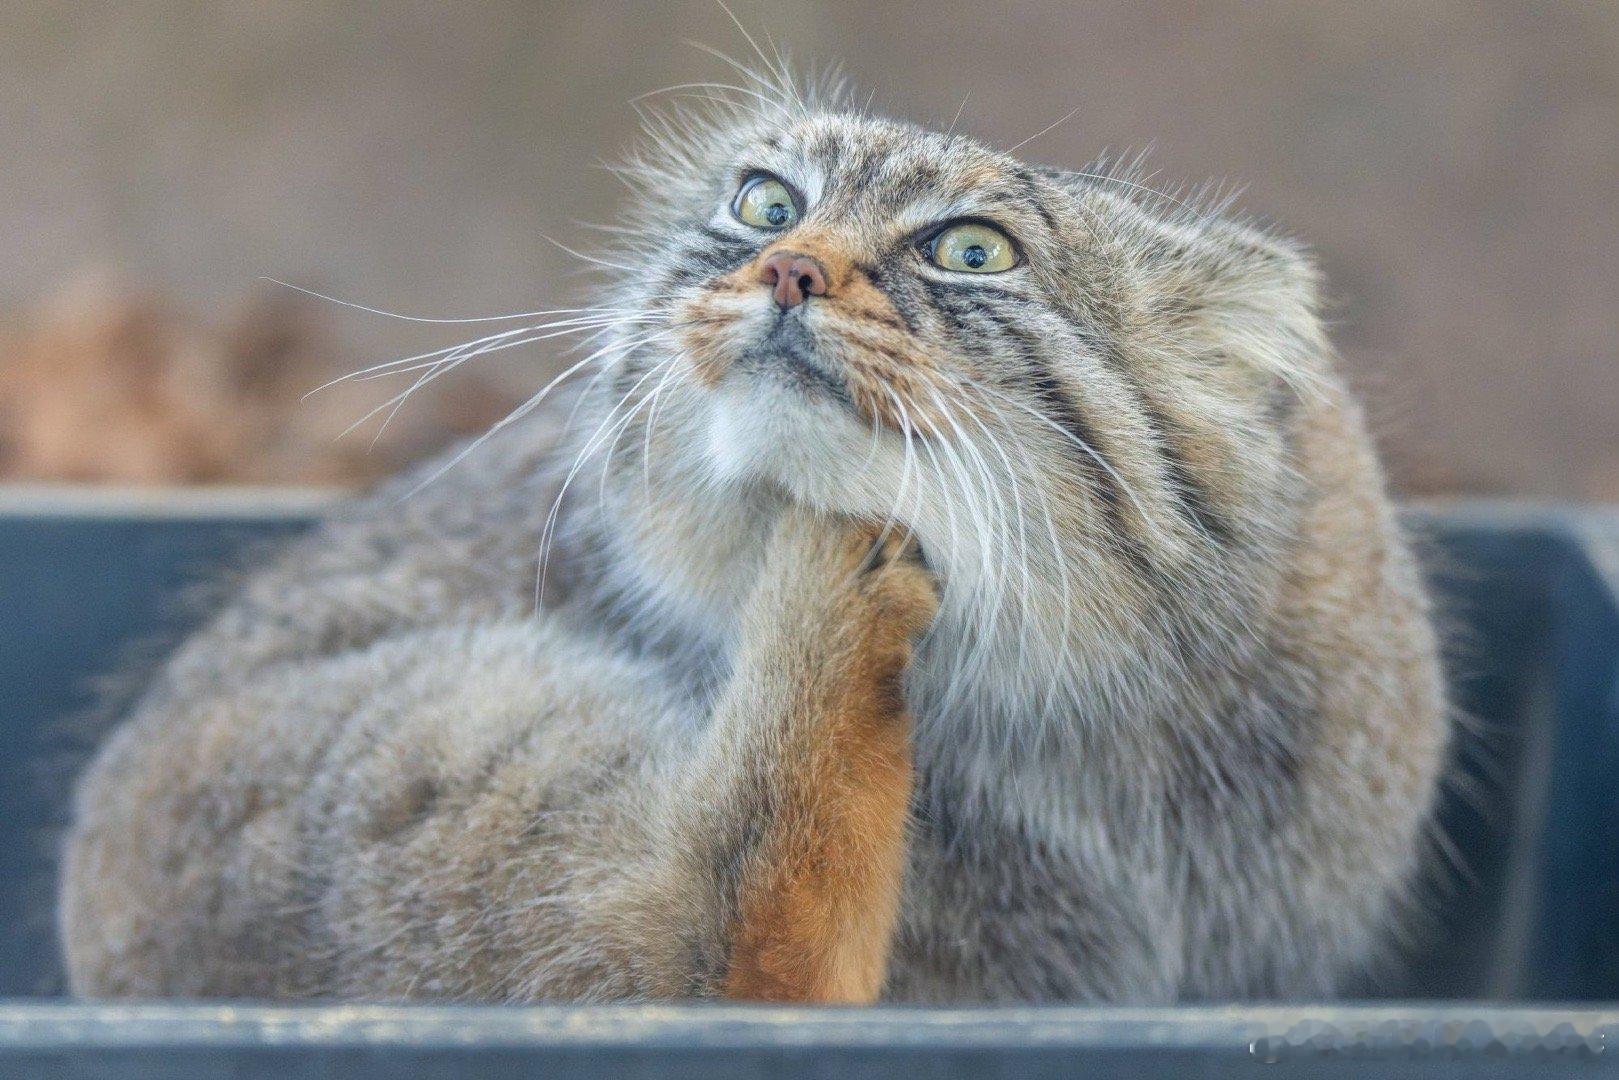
x: 792, y: 277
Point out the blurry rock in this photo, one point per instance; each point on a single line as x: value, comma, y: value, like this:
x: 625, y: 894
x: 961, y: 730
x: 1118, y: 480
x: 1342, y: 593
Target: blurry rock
x: 107, y: 383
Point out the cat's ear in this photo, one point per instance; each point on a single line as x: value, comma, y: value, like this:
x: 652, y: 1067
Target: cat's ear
x: 1224, y: 291
x: 1212, y: 289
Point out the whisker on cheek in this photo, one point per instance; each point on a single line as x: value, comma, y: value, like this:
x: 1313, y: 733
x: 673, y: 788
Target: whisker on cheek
x: 708, y: 329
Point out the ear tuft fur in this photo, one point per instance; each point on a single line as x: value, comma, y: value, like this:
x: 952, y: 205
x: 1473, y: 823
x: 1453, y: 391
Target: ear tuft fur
x: 1205, y: 283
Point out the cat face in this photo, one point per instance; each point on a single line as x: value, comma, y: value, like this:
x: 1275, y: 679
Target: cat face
x: 863, y: 265
x: 852, y: 276
x: 1051, y: 377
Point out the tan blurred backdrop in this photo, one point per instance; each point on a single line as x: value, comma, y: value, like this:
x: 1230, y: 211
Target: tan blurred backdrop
x: 1456, y: 166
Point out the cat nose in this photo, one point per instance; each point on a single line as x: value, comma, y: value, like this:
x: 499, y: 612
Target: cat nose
x: 793, y: 276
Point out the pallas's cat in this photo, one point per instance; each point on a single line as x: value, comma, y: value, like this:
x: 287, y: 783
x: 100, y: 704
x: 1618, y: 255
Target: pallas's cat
x: 963, y: 581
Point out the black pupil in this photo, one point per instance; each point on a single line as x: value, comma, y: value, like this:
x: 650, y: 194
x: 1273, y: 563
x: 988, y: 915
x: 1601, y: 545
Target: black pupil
x: 975, y: 256
x: 777, y: 214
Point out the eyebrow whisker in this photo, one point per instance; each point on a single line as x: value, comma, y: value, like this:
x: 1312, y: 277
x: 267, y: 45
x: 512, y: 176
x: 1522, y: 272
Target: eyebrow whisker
x: 1069, y: 115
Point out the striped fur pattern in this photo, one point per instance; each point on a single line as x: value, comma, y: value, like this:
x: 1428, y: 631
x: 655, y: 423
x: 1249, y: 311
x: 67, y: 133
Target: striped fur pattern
x: 1155, y: 714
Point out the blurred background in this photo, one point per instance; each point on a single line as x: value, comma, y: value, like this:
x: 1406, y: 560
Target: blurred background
x: 1454, y: 164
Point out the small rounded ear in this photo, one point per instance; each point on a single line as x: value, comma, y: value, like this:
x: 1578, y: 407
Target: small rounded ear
x: 1210, y: 288
x: 1219, y: 288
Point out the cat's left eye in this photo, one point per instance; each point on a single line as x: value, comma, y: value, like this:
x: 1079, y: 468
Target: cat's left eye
x: 765, y: 203
x: 972, y: 248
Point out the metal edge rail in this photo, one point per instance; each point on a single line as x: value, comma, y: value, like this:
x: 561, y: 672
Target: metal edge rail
x: 1232, y: 1028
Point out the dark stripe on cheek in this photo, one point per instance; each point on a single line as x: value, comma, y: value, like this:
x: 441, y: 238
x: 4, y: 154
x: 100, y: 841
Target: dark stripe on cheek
x: 903, y: 299
x: 706, y: 252
x: 722, y: 255
x: 959, y: 308
x: 1056, y: 404
x: 1058, y: 407
x: 1193, y: 498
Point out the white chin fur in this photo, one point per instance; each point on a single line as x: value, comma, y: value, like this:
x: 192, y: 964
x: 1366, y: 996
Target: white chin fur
x: 805, y: 443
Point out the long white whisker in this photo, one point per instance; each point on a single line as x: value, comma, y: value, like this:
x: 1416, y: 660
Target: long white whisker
x: 496, y: 344
x: 527, y: 407
x: 548, y: 533
x: 989, y: 590
x: 419, y: 318
x: 651, y: 422
x: 765, y: 98
x: 1166, y: 196
x: 404, y: 363
x: 1085, y: 447
x: 1069, y: 115
x: 746, y: 72
x: 1044, y: 499
x: 956, y: 119
x: 778, y: 69
x: 442, y: 366
x: 989, y: 486
x: 1018, y: 512
x: 905, y: 471
x: 649, y: 403
x: 589, y: 258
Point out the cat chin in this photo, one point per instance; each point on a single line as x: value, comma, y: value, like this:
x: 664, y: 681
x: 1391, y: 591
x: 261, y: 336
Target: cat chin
x: 804, y: 443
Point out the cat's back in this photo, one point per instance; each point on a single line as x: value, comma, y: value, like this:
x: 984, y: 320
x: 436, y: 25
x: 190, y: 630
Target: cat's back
x: 358, y: 675
x: 456, y: 540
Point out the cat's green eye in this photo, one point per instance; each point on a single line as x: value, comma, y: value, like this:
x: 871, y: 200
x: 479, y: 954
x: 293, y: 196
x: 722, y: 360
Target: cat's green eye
x: 972, y: 248
x: 765, y: 203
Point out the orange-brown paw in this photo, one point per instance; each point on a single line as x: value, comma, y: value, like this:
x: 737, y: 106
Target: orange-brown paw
x: 847, y: 573
x: 895, y: 579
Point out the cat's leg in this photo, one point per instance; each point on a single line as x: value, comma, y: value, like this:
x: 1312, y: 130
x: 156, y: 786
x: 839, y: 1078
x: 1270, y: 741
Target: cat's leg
x: 506, y: 813
x: 801, y: 793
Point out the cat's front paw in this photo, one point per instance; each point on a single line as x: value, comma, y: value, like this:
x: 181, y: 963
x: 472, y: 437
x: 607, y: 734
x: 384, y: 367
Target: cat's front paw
x: 895, y: 579
x: 865, y: 576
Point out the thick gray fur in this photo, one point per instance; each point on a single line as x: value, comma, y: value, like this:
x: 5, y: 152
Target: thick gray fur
x: 1177, y: 724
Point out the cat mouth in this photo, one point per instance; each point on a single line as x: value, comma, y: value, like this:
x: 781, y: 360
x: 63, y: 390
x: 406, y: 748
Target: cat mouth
x: 789, y: 354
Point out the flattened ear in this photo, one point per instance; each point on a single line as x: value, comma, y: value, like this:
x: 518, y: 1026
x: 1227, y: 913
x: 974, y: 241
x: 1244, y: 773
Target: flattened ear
x: 1204, y: 286
x: 1220, y: 289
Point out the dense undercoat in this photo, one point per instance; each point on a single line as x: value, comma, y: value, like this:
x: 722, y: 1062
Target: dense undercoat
x: 1174, y: 731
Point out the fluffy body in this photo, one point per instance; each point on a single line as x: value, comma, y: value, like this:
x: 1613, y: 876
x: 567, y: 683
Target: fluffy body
x: 1173, y: 732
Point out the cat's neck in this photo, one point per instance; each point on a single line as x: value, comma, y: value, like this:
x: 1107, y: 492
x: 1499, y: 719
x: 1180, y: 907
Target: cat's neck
x: 681, y: 554
x: 1018, y: 674
x: 995, y: 732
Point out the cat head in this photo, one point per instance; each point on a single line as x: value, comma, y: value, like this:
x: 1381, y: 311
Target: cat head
x: 1079, y: 393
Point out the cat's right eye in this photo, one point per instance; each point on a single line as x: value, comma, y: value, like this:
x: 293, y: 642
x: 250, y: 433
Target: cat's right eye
x: 765, y: 203
x: 972, y: 247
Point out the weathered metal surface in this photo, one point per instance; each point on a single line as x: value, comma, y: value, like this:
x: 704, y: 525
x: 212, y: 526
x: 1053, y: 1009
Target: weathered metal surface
x: 183, y: 1041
